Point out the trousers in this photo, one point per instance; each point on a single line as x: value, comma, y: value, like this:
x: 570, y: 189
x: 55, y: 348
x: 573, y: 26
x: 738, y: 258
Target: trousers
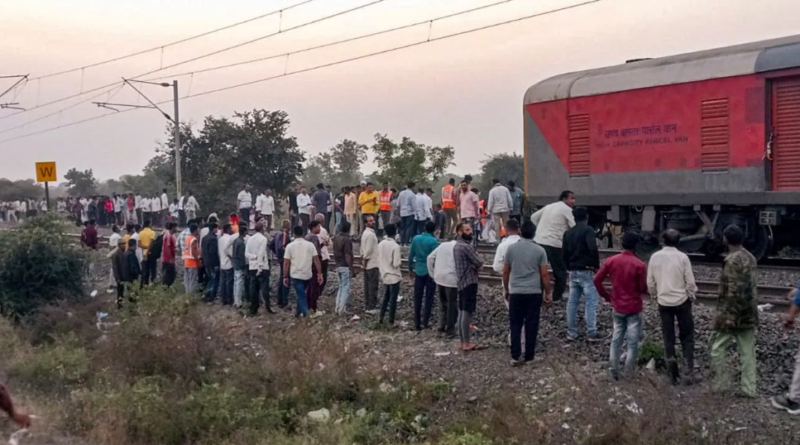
x: 371, y: 277
x: 448, y: 309
x: 423, y: 300
x: 190, y: 276
x: 554, y: 256
x: 581, y: 282
x: 746, y: 344
x: 683, y: 315
x: 259, y: 289
x: 409, y: 227
x: 168, y: 273
x: 450, y: 218
x: 343, y: 294
x: 524, y: 311
x: 239, y: 286
x: 226, y: 286
x: 626, y: 327
x: 390, y: 293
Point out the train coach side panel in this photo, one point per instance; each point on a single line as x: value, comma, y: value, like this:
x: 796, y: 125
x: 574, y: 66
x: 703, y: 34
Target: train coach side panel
x: 691, y: 143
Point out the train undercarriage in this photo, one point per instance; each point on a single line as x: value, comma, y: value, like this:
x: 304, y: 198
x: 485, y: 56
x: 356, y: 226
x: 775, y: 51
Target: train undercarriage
x: 768, y: 230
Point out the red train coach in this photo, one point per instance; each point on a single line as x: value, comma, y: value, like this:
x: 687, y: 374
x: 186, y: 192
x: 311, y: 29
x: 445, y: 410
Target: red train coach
x: 692, y: 142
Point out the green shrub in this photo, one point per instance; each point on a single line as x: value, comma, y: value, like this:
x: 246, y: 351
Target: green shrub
x: 55, y: 367
x: 39, y: 264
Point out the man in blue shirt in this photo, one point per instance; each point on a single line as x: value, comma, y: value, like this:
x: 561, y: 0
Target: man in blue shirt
x: 421, y: 247
x: 791, y: 401
x: 406, y: 202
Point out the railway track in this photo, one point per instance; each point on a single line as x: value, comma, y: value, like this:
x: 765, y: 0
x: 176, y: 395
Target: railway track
x: 707, y: 290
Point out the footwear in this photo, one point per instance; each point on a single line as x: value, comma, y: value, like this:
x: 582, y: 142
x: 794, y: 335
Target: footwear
x: 570, y: 338
x: 517, y: 362
x: 371, y: 311
x: 467, y: 347
x: 597, y: 337
x: 271, y: 311
x: 786, y: 404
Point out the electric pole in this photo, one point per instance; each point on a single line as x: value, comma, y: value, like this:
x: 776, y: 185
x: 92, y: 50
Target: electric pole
x: 177, y: 129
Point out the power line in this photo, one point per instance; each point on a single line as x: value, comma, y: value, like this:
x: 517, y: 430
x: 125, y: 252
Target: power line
x: 203, y: 56
x: 177, y: 42
x: 305, y: 70
x: 338, y: 42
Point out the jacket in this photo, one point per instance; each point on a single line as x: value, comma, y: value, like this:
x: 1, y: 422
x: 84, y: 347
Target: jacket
x: 134, y: 269
x: 579, y: 248
x: 118, y: 266
x: 738, y: 298
x: 238, y: 258
x: 210, y: 251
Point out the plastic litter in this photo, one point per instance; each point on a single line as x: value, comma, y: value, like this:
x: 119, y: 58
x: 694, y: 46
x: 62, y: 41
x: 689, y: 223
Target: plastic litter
x: 764, y: 307
x: 16, y: 436
x: 354, y: 318
x: 442, y: 354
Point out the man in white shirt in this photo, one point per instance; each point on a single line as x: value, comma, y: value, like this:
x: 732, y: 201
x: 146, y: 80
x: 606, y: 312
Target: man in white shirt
x: 165, y: 212
x: 389, y: 264
x: 226, y: 265
x: 298, y: 260
x: 326, y: 248
x: 244, y: 203
x: 671, y: 281
x: 155, y: 211
x: 145, y: 209
x: 304, y: 208
x: 191, y: 207
x: 138, y: 206
x: 442, y: 267
x: 174, y: 213
x: 265, y: 207
x: 117, y: 201
x: 420, y: 203
x: 552, y: 221
x: 255, y: 252
x: 500, y: 205
x: 512, y: 227
x: 369, y: 261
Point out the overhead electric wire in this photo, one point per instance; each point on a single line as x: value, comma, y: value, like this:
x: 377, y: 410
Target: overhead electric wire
x: 305, y: 70
x: 338, y: 42
x: 177, y: 42
x: 202, y: 56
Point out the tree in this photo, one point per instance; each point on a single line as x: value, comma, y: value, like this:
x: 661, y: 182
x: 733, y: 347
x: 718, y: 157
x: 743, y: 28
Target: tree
x: 318, y: 170
x: 504, y: 167
x: 253, y: 148
x: 339, y: 166
x: 22, y: 189
x: 410, y: 161
x: 81, y: 183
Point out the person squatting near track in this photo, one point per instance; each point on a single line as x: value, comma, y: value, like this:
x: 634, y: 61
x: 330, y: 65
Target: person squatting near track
x: 525, y: 275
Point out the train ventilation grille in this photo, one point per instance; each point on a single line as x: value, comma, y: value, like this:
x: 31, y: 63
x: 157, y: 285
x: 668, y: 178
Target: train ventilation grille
x: 579, y: 148
x: 715, y: 135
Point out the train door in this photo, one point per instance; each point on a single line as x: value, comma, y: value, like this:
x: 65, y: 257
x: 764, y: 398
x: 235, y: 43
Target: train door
x: 786, y: 134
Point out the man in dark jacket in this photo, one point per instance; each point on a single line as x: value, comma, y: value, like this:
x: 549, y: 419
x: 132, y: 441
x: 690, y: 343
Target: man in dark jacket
x: 132, y: 265
x: 119, y: 269
x: 581, y: 258
x: 210, y: 255
x: 278, y: 247
x: 240, y: 269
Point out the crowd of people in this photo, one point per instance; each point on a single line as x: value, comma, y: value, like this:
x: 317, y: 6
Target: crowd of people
x: 231, y: 258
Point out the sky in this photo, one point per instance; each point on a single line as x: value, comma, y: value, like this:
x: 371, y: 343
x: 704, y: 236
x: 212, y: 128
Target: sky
x: 464, y: 91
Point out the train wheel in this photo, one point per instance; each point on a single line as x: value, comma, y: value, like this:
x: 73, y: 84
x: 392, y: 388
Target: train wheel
x: 647, y: 246
x: 760, y: 243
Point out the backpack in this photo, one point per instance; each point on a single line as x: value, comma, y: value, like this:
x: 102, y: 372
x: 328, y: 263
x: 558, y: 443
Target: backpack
x: 155, y: 249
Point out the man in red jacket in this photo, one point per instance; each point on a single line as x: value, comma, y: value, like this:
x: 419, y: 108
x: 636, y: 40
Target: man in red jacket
x: 628, y: 284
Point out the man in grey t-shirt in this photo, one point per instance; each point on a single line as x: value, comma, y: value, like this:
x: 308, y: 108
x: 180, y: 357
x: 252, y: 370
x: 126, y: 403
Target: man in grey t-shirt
x: 524, y: 275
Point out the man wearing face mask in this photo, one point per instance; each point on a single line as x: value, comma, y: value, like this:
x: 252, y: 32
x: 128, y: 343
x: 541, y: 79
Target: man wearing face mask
x: 467, y: 266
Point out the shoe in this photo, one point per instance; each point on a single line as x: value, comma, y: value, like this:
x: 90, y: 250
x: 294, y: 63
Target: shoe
x: 517, y: 362
x: 597, y: 337
x: 271, y: 311
x: 571, y: 338
x: 786, y: 404
x: 371, y: 312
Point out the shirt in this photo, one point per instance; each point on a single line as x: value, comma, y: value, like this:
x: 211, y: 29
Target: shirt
x: 326, y: 244
x: 255, y: 252
x: 466, y: 261
x: 500, y: 254
x: 238, y: 256
x: 525, y: 258
x: 155, y: 205
x: 441, y: 265
x: 516, y: 199
x: 89, y: 237
x: 113, y: 240
x: 321, y: 200
x: 173, y: 210
x: 670, y: 278
x: 500, y: 200
x: 118, y: 202
x: 164, y: 201
x: 369, y: 249
x: 343, y: 250
x: 224, y: 245
x: 304, y: 204
x: 182, y: 240
x: 580, y: 248
x: 421, y: 246
x: 245, y: 200
x: 406, y: 201
x: 350, y: 205
x: 552, y: 221
x: 738, y: 292
x: 191, y: 205
x: 628, y: 282
x: 168, y: 248
x: 369, y: 202
x: 210, y: 253
x: 146, y: 237
x: 389, y: 258
x: 265, y: 204
x: 301, y: 255
x: 468, y: 204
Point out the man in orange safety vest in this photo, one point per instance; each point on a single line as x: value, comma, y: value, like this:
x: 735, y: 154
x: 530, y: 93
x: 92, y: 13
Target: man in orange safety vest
x: 449, y: 206
x: 385, y: 197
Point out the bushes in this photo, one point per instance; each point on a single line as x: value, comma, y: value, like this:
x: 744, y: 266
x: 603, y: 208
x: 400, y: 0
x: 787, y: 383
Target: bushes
x: 39, y: 264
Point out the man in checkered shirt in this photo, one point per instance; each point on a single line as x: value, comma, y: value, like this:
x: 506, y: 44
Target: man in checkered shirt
x: 467, y: 266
